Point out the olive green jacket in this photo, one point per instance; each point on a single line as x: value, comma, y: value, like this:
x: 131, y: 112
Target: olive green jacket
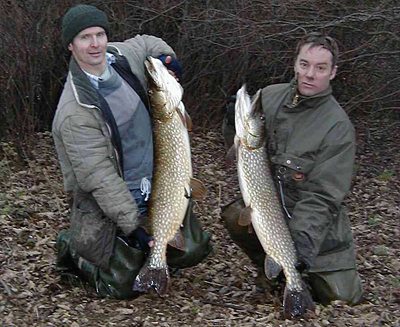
x: 312, y: 150
x: 86, y: 144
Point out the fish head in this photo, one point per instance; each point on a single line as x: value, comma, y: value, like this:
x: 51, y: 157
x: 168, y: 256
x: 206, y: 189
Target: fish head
x: 249, y: 119
x: 164, y: 90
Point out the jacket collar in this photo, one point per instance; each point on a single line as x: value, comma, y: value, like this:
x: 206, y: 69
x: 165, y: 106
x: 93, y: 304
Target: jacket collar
x: 84, y: 92
x: 305, y: 102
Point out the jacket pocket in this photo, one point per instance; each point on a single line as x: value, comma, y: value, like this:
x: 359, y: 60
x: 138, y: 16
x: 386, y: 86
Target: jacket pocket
x: 291, y: 175
x: 88, y: 222
x: 293, y: 170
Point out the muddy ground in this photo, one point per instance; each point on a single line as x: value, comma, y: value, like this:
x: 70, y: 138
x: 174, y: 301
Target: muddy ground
x: 221, y: 290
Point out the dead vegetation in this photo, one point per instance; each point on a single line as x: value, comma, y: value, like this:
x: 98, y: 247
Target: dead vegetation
x: 221, y: 44
x: 221, y: 290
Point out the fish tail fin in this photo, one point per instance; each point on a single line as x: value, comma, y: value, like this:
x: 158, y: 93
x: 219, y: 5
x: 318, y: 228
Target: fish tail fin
x: 297, y: 303
x: 158, y: 278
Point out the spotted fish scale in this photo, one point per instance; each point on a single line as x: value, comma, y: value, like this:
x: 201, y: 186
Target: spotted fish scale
x: 263, y: 206
x: 267, y: 216
x: 172, y: 177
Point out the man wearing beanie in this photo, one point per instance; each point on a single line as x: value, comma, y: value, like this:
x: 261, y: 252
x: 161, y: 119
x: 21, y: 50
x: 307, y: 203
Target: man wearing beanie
x: 103, y: 136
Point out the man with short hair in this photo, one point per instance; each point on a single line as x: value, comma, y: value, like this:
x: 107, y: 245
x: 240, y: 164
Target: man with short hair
x: 311, y: 147
x: 103, y: 135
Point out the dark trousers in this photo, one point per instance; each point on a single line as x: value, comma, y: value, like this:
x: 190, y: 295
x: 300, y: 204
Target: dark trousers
x: 116, y: 282
x: 342, y: 285
x: 126, y: 261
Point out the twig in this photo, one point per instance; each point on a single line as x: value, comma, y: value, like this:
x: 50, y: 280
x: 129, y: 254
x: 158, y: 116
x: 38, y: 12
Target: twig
x: 230, y: 306
x: 214, y: 284
x: 369, y: 55
x: 58, y: 201
x: 160, y: 14
x: 219, y: 195
x: 6, y: 288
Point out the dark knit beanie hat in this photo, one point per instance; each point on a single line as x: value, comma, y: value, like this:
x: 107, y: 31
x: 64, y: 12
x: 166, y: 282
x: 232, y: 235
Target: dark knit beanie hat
x: 80, y: 17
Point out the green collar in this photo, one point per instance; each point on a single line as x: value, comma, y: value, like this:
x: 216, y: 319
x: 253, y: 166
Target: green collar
x: 298, y: 102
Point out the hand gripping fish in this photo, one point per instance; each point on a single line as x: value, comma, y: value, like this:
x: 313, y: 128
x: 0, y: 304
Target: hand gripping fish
x: 263, y: 208
x: 173, y: 184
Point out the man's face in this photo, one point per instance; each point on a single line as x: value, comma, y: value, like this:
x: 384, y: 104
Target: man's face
x: 313, y: 69
x: 89, y: 49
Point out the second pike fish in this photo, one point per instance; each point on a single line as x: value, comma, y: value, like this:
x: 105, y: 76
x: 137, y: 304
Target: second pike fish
x: 263, y: 208
x: 173, y: 184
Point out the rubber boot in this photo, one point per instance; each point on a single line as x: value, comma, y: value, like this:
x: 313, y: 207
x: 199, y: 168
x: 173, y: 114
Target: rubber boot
x: 196, y: 242
x: 344, y: 285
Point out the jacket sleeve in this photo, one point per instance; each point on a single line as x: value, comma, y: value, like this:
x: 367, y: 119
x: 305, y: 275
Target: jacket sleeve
x: 320, y: 198
x: 90, y: 156
x: 138, y: 48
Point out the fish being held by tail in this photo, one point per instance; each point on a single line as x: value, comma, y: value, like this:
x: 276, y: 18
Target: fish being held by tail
x: 263, y: 208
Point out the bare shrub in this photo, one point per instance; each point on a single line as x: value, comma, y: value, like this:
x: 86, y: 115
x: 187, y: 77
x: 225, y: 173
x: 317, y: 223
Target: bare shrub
x: 30, y: 68
x: 221, y: 44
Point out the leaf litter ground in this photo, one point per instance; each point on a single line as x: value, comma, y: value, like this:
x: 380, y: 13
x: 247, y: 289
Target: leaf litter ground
x: 220, y: 291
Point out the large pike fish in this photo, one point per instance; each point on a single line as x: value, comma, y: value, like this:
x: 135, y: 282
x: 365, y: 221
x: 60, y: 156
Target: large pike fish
x: 263, y: 208
x: 173, y: 184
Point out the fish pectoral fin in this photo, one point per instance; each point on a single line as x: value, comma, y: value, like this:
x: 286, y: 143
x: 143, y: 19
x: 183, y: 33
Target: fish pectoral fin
x: 184, y: 116
x: 178, y: 242
x: 272, y: 268
x: 245, y: 217
x: 231, y: 155
x: 197, y: 188
x: 188, y: 192
x: 189, y: 123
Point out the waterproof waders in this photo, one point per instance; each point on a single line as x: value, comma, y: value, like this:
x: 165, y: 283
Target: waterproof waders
x: 126, y: 261
x: 326, y: 286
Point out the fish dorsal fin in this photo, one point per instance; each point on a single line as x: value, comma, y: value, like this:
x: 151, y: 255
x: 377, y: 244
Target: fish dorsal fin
x: 271, y: 267
x: 178, y: 241
x: 197, y: 188
x: 245, y: 217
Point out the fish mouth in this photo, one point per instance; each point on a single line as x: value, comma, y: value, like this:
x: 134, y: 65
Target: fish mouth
x: 151, y: 72
x: 253, y: 132
x: 149, y: 65
x: 254, y: 135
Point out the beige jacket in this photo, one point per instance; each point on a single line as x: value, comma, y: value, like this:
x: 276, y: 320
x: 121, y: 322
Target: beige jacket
x: 87, y: 147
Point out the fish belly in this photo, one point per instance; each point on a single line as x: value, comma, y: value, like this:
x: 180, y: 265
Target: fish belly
x: 268, y: 219
x: 172, y: 173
